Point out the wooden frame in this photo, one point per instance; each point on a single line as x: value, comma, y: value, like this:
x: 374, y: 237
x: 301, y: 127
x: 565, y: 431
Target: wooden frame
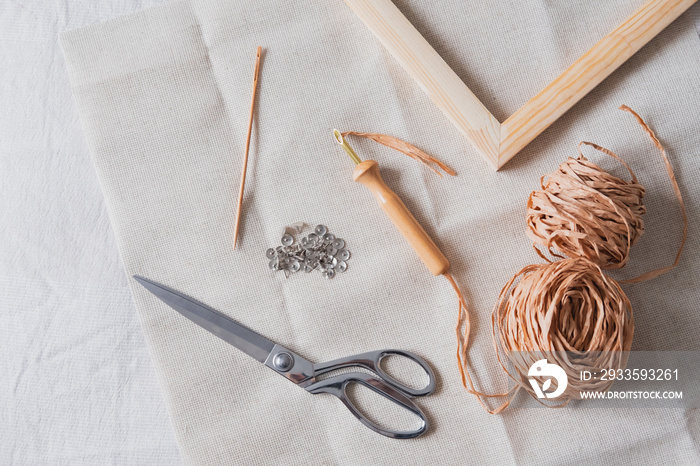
x: 499, y: 142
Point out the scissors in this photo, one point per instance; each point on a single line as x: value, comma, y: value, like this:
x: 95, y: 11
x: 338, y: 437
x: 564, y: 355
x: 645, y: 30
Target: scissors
x: 302, y: 372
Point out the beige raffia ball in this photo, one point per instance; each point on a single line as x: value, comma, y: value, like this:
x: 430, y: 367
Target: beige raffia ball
x: 564, y: 306
x: 583, y: 211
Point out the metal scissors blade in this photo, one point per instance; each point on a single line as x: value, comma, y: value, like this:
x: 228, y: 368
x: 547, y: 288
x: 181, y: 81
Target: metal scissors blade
x: 228, y: 330
x: 301, y: 371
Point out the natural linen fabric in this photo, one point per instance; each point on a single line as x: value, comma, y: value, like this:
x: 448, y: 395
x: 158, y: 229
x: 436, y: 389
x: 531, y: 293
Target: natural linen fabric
x: 163, y: 96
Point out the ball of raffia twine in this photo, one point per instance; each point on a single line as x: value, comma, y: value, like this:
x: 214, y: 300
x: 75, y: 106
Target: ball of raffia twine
x: 568, y: 311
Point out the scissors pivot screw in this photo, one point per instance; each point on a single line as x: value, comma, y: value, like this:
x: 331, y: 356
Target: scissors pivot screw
x: 283, y: 362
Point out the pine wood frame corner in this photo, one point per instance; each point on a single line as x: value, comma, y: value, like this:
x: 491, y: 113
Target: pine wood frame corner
x: 499, y: 142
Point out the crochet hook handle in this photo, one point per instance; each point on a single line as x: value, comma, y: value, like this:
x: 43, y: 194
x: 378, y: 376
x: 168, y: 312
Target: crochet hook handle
x: 367, y: 173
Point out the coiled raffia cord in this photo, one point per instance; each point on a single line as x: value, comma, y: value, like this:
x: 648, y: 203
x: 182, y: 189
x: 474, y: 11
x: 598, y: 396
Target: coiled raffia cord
x: 589, y: 219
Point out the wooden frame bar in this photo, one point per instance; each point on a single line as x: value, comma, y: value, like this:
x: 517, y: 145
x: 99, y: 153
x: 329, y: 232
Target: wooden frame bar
x: 499, y: 142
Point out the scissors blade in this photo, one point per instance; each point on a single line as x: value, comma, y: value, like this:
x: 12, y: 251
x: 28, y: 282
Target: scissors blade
x: 241, y: 337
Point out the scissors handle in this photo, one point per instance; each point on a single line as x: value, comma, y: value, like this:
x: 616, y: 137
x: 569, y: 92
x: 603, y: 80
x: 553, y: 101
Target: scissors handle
x: 338, y: 384
x: 372, y: 361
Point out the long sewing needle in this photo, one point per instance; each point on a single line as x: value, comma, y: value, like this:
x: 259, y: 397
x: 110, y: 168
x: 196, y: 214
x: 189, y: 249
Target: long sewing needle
x: 247, y: 147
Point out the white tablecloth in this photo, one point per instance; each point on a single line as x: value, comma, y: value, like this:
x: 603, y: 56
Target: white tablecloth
x: 78, y: 384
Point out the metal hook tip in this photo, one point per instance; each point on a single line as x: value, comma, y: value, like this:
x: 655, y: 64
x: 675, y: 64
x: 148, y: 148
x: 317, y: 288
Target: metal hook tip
x: 338, y: 136
x: 346, y: 147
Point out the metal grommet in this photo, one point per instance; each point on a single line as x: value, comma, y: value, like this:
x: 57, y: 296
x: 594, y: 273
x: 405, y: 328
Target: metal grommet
x: 321, y: 230
x: 287, y: 240
x: 318, y: 250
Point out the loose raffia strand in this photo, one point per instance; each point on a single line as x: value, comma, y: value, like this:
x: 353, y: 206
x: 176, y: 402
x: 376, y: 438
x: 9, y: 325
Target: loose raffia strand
x: 406, y: 148
x: 463, y: 328
x: 655, y: 273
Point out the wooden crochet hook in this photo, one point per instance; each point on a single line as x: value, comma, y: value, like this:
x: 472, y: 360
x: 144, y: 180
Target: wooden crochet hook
x: 367, y: 173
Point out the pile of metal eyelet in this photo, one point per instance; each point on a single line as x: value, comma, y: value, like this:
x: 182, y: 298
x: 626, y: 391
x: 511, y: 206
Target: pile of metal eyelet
x: 319, y: 250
